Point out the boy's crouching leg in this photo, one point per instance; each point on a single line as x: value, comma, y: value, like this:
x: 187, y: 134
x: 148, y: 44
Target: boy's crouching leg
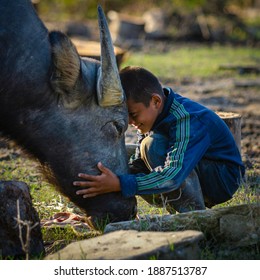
x: 187, y: 198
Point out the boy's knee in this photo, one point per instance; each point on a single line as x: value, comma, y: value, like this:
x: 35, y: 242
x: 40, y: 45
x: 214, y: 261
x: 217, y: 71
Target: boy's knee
x: 154, y: 150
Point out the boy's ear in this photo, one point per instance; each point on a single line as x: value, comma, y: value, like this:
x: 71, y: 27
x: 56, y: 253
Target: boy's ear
x: 157, y: 100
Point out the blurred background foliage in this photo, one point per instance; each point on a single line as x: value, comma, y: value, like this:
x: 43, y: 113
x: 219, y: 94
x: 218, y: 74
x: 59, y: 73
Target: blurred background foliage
x: 82, y: 9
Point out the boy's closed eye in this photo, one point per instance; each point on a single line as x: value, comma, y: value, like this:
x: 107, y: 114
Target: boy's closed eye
x: 133, y: 115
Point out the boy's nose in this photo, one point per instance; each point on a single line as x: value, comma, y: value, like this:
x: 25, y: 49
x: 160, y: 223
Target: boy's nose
x: 130, y: 120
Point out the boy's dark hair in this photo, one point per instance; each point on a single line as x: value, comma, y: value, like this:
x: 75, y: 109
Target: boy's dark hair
x: 139, y: 84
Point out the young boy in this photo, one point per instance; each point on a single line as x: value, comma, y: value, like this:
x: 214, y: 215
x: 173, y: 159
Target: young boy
x: 186, y: 159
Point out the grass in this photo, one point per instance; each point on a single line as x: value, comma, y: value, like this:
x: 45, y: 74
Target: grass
x: 194, y: 61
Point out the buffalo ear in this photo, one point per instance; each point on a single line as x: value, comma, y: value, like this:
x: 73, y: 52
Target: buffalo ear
x: 66, y: 70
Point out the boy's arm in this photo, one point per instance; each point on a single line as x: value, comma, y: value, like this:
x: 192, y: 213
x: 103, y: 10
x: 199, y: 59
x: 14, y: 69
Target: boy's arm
x: 162, y: 179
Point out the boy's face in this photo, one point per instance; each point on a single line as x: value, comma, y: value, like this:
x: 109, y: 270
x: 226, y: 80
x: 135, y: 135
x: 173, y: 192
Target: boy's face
x: 142, y: 117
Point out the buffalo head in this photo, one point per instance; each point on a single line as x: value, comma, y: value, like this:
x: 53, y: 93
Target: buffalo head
x: 68, y: 112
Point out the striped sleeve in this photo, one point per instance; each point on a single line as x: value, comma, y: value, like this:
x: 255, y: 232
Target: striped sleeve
x: 162, y: 179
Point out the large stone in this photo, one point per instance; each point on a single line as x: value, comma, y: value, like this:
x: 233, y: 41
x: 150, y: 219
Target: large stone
x: 134, y: 245
x: 234, y: 225
x: 10, y: 242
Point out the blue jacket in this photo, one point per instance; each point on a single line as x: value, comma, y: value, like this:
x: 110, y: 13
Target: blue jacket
x: 194, y: 132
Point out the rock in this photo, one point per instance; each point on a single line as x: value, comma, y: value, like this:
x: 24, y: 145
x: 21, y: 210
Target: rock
x: 241, y: 230
x: 155, y: 23
x: 126, y: 31
x: 234, y: 225
x: 10, y: 243
x: 133, y: 245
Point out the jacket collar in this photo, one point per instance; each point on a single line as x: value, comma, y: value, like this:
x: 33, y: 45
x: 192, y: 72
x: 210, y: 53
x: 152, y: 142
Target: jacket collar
x: 169, y: 94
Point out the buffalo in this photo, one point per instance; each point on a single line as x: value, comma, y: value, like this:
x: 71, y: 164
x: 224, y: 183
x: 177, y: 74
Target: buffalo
x: 68, y: 112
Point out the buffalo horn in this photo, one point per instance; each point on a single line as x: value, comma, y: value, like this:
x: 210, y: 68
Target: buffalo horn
x: 109, y: 88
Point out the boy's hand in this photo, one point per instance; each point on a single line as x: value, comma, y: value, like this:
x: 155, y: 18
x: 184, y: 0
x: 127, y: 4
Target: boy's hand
x: 106, y: 182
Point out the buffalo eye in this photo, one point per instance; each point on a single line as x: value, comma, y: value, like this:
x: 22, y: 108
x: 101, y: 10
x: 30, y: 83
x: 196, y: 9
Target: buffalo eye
x: 119, y: 127
x: 114, y: 129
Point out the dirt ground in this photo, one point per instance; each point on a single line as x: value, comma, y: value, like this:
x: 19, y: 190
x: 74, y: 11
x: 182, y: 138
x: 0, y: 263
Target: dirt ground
x: 230, y: 95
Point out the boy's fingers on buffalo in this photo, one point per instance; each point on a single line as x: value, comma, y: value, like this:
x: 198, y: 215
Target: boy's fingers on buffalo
x: 89, y: 195
x: 87, y: 177
x: 84, y: 184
